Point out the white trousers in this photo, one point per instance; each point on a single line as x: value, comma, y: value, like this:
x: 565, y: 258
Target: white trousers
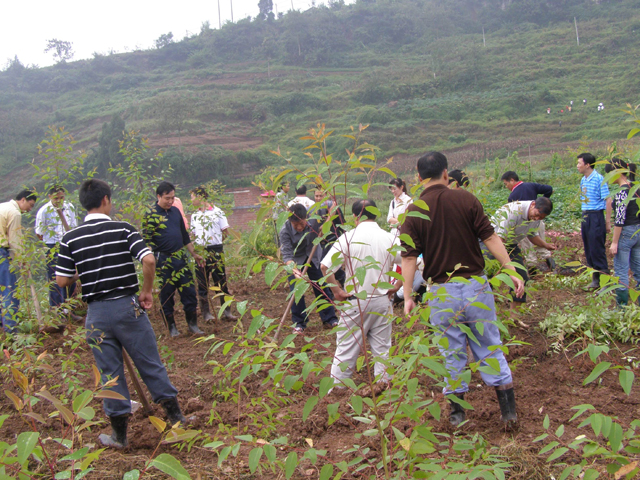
x: 532, y: 253
x: 364, y: 326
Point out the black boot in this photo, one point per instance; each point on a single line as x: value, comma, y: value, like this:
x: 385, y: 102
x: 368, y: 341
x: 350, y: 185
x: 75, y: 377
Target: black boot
x: 192, y: 322
x: 227, y: 316
x: 171, y: 322
x: 622, y: 297
x: 118, y: 437
x: 457, y: 414
x: 595, y: 282
x: 507, y: 401
x: 172, y: 409
x: 205, y: 310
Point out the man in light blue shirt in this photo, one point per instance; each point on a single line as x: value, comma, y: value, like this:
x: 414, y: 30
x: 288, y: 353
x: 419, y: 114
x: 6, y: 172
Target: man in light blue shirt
x: 52, y: 221
x: 595, y: 225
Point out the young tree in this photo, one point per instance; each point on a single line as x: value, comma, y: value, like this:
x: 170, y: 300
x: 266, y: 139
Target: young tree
x: 164, y: 40
x: 266, y: 9
x: 62, y: 51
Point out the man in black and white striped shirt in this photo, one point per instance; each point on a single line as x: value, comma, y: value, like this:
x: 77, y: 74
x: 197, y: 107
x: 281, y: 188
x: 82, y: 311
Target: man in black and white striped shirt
x: 100, y: 253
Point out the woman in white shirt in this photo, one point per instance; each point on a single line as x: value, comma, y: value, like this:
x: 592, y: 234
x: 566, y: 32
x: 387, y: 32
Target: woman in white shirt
x: 399, y: 203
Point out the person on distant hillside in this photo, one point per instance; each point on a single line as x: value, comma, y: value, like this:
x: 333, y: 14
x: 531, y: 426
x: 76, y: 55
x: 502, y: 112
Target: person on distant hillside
x: 165, y: 231
x: 449, y: 239
x: 401, y: 200
x: 50, y: 228
x: 280, y: 205
x: 301, y: 198
x: 625, y: 245
x: 516, y: 221
x: 527, y: 191
x: 296, y: 240
x: 209, y: 226
x: 100, y: 253
x: 11, y: 250
x: 458, y: 179
x: 365, y: 322
x: 595, y: 224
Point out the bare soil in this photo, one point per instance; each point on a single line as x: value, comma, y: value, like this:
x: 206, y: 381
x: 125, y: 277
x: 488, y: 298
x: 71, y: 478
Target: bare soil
x: 547, y: 383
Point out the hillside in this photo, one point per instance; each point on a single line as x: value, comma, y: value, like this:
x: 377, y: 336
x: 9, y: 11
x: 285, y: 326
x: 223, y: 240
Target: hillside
x: 417, y: 71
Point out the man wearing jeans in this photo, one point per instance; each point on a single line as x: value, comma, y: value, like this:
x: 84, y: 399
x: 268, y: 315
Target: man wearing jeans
x: 100, y: 253
x: 296, y: 244
x: 365, y: 320
x: 10, y: 251
x: 50, y: 227
x: 595, y: 223
x: 448, y: 240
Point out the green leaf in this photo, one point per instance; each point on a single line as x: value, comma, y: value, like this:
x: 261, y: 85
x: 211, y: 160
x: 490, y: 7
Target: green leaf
x: 545, y: 422
x: 560, y: 431
x: 407, y: 239
x: 326, y: 384
x: 591, y: 474
x: 270, y: 273
x: 626, y: 380
x: 25, y: 444
x: 131, y: 475
x: 434, y: 410
x: 356, y: 404
x: 615, y: 437
x: 633, y: 132
x: 311, y: 402
x: 81, y: 400
x: 597, y: 371
x: 171, y: 466
x: 557, y: 454
x: 326, y: 472
x: 254, y: 458
x: 298, y: 290
x: 270, y: 452
x: 77, y: 455
x: 290, y: 465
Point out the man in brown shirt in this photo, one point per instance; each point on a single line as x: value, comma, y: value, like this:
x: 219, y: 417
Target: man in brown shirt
x: 448, y: 241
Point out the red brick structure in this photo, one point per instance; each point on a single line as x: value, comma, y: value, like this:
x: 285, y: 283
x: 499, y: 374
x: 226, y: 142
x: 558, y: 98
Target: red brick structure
x: 247, y: 203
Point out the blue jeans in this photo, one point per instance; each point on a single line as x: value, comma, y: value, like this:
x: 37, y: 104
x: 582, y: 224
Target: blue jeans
x: 8, y: 301
x: 57, y: 295
x: 113, y: 325
x: 452, y: 306
x: 628, y: 256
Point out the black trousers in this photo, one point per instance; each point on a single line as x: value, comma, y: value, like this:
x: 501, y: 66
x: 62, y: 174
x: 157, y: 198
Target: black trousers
x: 594, y: 236
x: 175, y: 274
x: 516, y: 257
x: 214, y: 268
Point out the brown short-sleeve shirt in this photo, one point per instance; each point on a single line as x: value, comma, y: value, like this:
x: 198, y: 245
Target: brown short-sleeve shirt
x: 450, y: 236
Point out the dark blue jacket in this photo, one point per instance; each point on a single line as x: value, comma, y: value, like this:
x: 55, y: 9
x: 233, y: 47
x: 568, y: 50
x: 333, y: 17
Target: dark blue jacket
x: 529, y: 191
x: 164, y: 230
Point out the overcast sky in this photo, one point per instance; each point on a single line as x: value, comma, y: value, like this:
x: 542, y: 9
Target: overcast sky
x: 119, y: 25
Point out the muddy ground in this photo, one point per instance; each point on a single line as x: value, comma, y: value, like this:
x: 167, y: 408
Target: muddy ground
x: 547, y: 383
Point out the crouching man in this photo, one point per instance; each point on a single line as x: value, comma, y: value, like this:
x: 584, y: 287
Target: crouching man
x: 366, y: 321
x: 100, y: 253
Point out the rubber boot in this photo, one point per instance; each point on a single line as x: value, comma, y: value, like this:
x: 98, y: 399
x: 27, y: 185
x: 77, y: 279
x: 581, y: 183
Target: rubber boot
x: 622, y: 297
x: 206, y: 312
x: 192, y: 322
x: 171, y: 322
x: 227, y: 316
x: 172, y: 409
x: 551, y: 263
x: 457, y: 414
x: 507, y: 401
x: 595, y: 282
x: 118, y: 437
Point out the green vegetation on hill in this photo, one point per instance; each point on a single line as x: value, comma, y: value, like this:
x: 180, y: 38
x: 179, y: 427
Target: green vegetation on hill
x: 415, y: 70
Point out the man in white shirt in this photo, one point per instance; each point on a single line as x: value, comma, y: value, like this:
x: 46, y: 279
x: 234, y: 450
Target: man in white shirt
x: 516, y: 221
x: 53, y: 220
x: 209, y: 227
x: 366, y: 317
x: 301, y: 198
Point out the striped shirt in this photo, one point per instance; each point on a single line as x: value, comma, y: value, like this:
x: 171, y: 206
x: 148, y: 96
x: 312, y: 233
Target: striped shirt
x: 593, y: 192
x: 102, y: 251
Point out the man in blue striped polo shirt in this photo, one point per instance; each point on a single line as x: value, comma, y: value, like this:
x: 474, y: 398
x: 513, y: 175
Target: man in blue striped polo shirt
x: 595, y: 225
x: 100, y: 253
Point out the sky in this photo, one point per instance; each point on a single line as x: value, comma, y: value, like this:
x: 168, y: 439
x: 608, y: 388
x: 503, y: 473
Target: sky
x: 114, y: 25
